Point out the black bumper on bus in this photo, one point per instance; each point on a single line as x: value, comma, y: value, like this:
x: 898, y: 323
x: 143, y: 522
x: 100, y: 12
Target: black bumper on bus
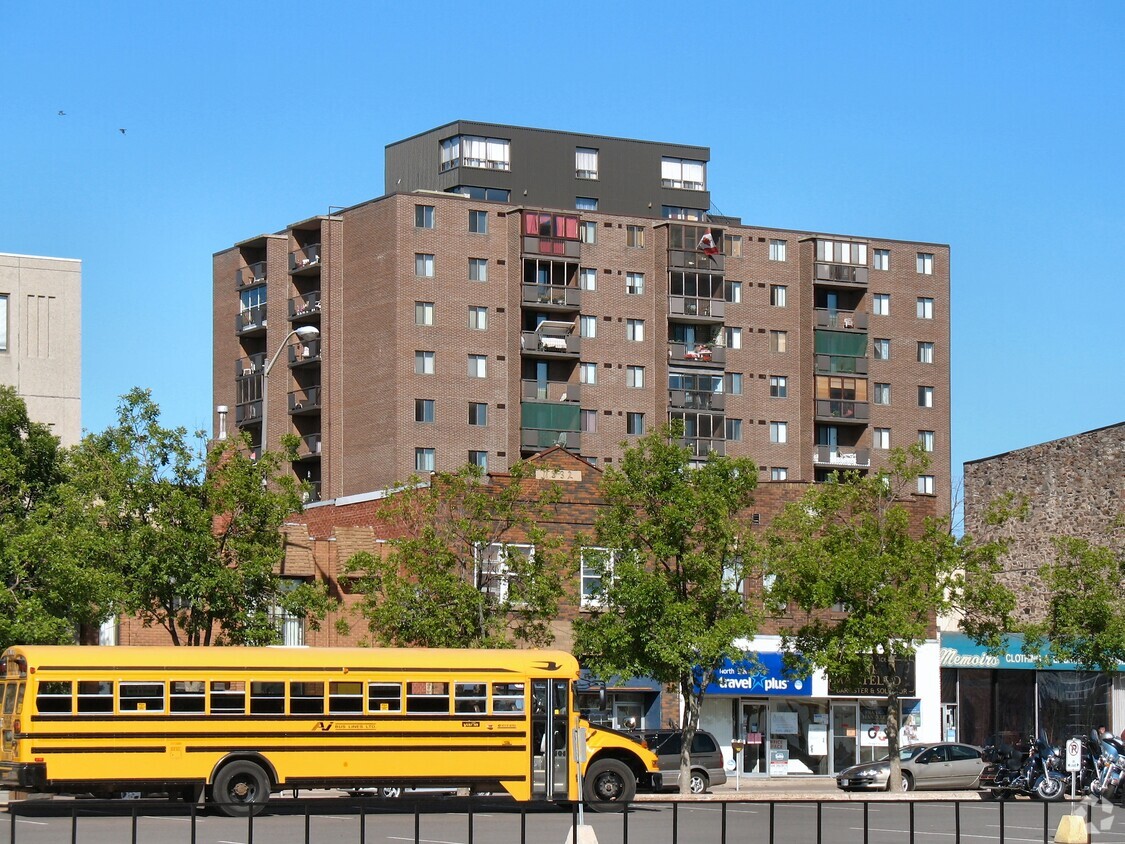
x: 654, y: 781
x: 27, y: 776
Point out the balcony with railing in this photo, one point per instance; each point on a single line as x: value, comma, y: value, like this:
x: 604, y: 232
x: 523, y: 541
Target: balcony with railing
x: 696, y: 309
x: 310, y: 493
x: 840, y: 365
x: 309, y: 447
x: 546, y: 424
x: 303, y: 353
x: 552, y: 297
x: 843, y: 410
x: 697, y: 400
x: 550, y: 234
x: 551, y: 339
x: 552, y: 391
x: 841, y: 457
x: 249, y: 365
x: 845, y: 274
x: 841, y: 320
x: 305, y: 307
x: 700, y: 447
x: 249, y: 413
x: 697, y: 354
x: 302, y: 402
x: 250, y: 275
x: 250, y: 321
x: 305, y: 260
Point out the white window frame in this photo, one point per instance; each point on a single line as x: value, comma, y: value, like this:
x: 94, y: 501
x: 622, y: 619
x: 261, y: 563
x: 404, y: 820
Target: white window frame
x: 586, y: 163
x: 478, y: 366
x: 683, y: 173
x: 779, y: 433
x: 588, y: 278
x: 925, y: 396
x: 635, y: 330
x: 779, y: 387
x: 881, y: 348
x: 926, y: 438
x: 492, y: 574
x: 482, y: 217
x: 926, y: 485
x: 588, y: 231
x: 779, y: 342
x: 881, y: 304
x: 777, y: 249
x: 733, y: 337
x: 426, y: 359
x: 3, y: 322
x: 925, y: 263
x: 732, y: 292
x: 881, y: 439
x: 427, y: 215
x: 423, y: 265
x: 925, y: 351
x: 881, y: 389
x: 779, y: 295
x: 588, y: 373
x: 630, y: 416
x: 478, y: 269
x: 779, y: 473
x: 423, y: 313
x: 587, y: 326
x: 925, y: 307
x: 478, y: 317
x: 590, y: 598
x: 634, y: 284
x: 425, y: 459
x: 882, y: 260
x: 635, y: 377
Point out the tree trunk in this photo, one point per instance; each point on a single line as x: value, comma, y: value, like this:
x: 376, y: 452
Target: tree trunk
x: 894, y: 779
x: 692, y: 696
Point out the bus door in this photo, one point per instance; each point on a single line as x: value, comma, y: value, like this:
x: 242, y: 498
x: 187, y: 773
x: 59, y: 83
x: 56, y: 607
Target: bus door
x: 11, y: 698
x: 550, y: 735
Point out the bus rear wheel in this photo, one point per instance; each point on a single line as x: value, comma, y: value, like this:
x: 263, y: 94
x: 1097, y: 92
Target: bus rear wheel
x: 608, y: 784
x: 241, y: 789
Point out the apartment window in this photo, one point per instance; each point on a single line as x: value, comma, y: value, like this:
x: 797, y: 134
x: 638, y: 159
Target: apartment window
x: 881, y: 304
x: 478, y: 366
x: 777, y: 250
x: 779, y: 341
x: 478, y: 222
x: 423, y: 313
x: 635, y: 330
x: 478, y: 413
x: 684, y: 173
x: 925, y: 308
x: 596, y: 563
x: 475, y: 151
x: 732, y: 245
x: 634, y: 376
x: 779, y: 386
x: 881, y: 348
x: 733, y: 383
x: 423, y: 410
x: 926, y: 263
x: 478, y: 269
x: 732, y: 292
x: 881, y: 439
x: 777, y: 295
x: 779, y: 473
x: 3, y: 323
x: 925, y: 352
x: 588, y: 326
x: 588, y: 373
x: 423, y: 363
x: 733, y: 337
x: 925, y: 397
x: 635, y: 236
x: 925, y: 484
x: 779, y: 432
x: 424, y: 216
x: 423, y: 265
x: 588, y: 278
x: 480, y: 459
x: 424, y: 460
x: 882, y: 393
x: 634, y: 283
x: 841, y: 252
x: 586, y: 203
x: 478, y: 317
x: 926, y: 438
x: 586, y: 163
x: 588, y: 231
x: 588, y: 421
x: 635, y: 424
x: 882, y: 259
x: 678, y: 212
x: 734, y: 430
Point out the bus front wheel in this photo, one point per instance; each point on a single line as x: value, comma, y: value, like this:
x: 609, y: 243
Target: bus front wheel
x: 608, y: 782
x: 241, y: 789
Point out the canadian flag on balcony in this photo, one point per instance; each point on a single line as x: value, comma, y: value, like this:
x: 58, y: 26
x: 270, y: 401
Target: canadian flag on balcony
x: 707, y: 244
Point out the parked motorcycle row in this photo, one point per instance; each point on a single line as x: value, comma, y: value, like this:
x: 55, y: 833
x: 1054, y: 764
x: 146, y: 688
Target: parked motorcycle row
x: 1038, y: 770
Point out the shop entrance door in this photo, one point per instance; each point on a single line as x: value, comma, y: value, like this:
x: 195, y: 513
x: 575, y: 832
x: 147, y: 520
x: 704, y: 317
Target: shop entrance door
x: 845, y: 720
x: 755, y: 756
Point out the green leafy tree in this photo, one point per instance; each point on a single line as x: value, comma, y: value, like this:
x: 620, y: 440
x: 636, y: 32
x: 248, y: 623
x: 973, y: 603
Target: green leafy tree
x: 46, y: 592
x: 853, y: 542
x: 194, y: 535
x: 671, y: 603
x: 1085, y: 619
x: 470, y: 564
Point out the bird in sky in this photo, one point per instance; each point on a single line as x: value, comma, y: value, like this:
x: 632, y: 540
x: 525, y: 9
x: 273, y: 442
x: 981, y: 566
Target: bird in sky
x: 62, y: 113
x: 122, y: 131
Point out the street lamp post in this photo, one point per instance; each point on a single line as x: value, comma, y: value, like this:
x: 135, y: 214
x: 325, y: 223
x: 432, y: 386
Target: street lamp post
x: 304, y: 332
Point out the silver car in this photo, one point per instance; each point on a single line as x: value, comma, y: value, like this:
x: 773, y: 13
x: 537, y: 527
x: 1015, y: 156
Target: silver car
x: 935, y: 765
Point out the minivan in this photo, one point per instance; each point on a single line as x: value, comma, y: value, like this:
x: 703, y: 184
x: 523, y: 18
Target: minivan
x: 706, y: 758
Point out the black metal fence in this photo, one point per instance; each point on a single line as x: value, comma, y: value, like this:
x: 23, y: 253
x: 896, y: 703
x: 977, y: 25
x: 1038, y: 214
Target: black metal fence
x: 774, y: 821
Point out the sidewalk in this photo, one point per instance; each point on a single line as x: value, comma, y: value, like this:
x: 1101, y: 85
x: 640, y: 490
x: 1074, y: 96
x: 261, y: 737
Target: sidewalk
x: 801, y: 788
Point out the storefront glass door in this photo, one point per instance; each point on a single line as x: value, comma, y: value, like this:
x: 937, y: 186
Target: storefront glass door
x: 755, y: 759
x: 845, y: 721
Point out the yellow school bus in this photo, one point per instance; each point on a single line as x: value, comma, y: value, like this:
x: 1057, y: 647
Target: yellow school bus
x: 235, y: 724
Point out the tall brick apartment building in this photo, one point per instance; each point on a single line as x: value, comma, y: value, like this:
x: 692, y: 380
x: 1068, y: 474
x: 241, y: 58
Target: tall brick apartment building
x: 518, y: 288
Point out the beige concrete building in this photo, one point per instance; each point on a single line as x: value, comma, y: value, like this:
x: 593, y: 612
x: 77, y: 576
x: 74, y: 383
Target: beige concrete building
x: 41, y: 338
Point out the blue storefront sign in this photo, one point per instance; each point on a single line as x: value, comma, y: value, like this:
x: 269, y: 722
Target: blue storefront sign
x: 768, y: 676
x: 959, y: 651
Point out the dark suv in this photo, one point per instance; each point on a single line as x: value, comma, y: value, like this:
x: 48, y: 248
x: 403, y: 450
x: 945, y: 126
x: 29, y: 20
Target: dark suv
x: 706, y: 758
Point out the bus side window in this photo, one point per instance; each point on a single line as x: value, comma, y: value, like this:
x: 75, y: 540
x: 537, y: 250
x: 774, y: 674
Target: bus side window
x: 470, y: 697
x: 140, y: 696
x: 267, y: 697
x: 95, y: 696
x: 228, y: 697
x: 345, y: 697
x: 427, y: 697
x: 507, y: 697
x: 10, y: 697
x: 186, y: 696
x: 53, y: 697
x: 306, y: 697
x: 384, y: 697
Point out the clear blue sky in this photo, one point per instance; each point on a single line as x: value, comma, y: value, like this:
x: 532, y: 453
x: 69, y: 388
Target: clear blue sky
x: 998, y: 128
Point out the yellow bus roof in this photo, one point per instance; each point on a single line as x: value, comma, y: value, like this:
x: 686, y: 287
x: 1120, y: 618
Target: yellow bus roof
x: 94, y: 657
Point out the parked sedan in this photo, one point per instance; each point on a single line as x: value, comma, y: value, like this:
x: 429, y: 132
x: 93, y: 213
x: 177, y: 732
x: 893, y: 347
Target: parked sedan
x: 936, y: 765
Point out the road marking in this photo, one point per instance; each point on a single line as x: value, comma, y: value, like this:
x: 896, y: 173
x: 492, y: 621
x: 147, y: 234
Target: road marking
x: 920, y: 832
x: 36, y: 823
x: 422, y: 840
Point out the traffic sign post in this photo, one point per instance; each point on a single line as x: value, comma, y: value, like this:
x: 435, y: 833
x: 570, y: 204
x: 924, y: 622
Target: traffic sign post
x: 1073, y: 762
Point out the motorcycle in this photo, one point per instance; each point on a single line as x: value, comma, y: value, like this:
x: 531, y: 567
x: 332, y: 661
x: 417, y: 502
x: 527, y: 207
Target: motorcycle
x: 1033, y: 772
x: 1103, y: 766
